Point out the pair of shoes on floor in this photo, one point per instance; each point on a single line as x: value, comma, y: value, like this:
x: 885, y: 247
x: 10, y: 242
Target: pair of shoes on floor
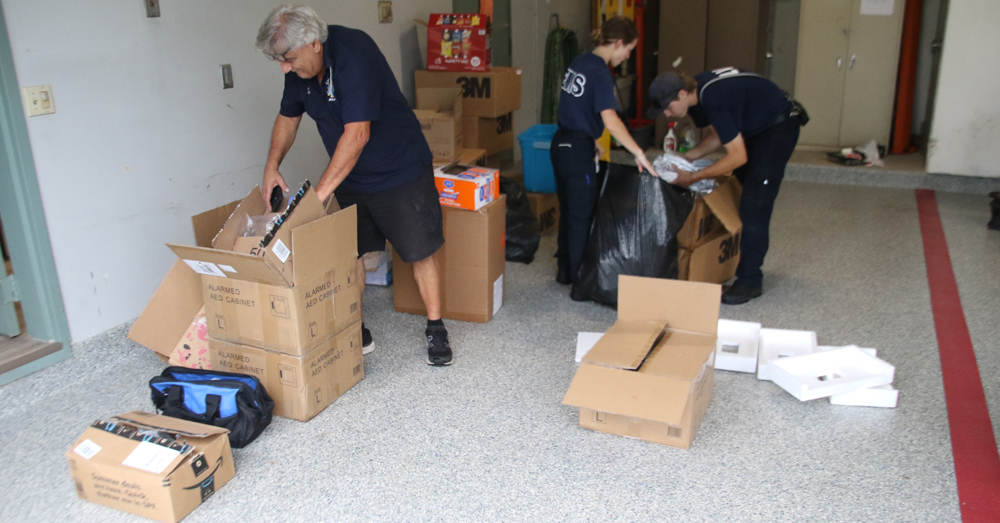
x: 739, y: 293
x: 438, y: 348
x: 563, y: 276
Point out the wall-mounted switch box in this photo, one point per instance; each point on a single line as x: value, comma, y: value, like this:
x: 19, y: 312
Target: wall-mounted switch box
x: 152, y: 8
x: 385, y: 12
x: 38, y: 100
x: 227, y: 76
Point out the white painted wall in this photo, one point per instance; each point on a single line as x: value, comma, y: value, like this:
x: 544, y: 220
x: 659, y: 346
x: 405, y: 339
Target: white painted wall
x: 966, y: 128
x: 144, y: 136
x: 529, y: 28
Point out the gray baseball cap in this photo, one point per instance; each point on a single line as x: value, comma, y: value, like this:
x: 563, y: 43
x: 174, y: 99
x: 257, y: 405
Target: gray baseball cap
x: 662, y: 91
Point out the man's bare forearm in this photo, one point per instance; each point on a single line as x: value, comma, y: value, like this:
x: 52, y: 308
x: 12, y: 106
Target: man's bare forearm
x: 345, y: 157
x: 282, y: 138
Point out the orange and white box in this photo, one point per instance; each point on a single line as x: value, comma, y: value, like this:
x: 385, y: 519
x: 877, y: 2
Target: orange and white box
x: 467, y: 187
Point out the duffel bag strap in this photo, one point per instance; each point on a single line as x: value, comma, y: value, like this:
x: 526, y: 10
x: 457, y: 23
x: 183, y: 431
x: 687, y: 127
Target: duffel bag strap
x: 212, y: 406
x: 175, y: 396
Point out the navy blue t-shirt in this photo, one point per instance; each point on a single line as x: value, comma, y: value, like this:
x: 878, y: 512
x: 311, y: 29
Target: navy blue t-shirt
x: 736, y: 104
x: 363, y: 89
x: 587, y: 89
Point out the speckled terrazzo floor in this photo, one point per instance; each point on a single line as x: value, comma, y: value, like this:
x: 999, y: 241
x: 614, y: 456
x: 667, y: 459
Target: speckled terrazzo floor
x: 488, y: 440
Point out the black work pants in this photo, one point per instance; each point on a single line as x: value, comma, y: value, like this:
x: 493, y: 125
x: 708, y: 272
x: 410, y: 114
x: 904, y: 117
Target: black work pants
x: 768, y: 153
x: 572, y: 155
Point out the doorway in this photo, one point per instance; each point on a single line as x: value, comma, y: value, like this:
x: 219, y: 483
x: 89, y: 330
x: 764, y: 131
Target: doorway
x: 39, y: 335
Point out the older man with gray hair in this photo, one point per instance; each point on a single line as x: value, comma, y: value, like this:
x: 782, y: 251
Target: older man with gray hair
x: 379, y: 159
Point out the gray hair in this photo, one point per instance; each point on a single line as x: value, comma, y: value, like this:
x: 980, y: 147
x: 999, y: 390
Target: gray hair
x: 289, y: 27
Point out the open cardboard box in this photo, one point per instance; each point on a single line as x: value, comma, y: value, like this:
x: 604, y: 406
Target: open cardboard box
x: 439, y: 111
x: 153, y: 466
x: 290, y: 296
x: 710, y: 238
x: 650, y: 376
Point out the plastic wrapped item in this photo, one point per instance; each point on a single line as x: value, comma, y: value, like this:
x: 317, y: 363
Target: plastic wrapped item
x: 634, y: 233
x: 522, y: 224
x: 259, y: 225
x: 666, y: 165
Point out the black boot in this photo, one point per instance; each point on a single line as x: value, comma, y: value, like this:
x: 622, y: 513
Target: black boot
x: 740, y: 292
x: 994, y: 223
x: 563, y: 276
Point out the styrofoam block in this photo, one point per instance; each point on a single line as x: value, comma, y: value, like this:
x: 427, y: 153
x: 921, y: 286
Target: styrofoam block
x: 781, y: 343
x: 827, y: 373
x: 882, y: 396
x: 824, y: 348
x: 736, y: 346
x: 584, y: 342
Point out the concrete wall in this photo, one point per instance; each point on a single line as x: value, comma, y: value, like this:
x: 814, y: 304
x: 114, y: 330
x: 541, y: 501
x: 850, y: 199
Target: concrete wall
x: 966, y: 128
x: 144, y: 136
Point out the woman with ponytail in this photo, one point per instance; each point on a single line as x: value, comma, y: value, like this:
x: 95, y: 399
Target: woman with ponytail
x: 587, y: 105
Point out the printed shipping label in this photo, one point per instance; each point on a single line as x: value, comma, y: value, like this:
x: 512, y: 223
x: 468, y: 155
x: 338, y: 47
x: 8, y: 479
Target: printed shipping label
x: 150, y: 457
x: 87, y: 449
x: 281, y: 251
x: 202, y: 267
x: 227, y: 268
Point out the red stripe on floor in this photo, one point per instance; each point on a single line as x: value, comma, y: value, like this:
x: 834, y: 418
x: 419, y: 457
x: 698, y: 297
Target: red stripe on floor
x: 977, y: 464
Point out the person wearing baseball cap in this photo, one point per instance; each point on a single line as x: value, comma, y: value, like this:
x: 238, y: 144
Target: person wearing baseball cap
x: 758, y: 125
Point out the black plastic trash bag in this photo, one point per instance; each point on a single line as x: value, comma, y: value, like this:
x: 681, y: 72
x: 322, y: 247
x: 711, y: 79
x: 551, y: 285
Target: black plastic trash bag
x: 522, y: 224
x: 634, y: 233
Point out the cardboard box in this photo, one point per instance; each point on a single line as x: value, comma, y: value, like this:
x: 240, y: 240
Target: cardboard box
x: 458, y: 42
x: 471, y: 265
x: 491, y: 134
x: 439, y: 111
x: 713, y: 262
x: 824, y: 374
x: 466, y: 187
x: 301, y: 386
x: 719, y: 209
x: 466, y: 157
x: 192, y: 349
x: 546, y: 207
x: 651, y: 375
x: 152, y: 466
x: 737, y: 346
x: 290, y: 296
x: 487, y: 95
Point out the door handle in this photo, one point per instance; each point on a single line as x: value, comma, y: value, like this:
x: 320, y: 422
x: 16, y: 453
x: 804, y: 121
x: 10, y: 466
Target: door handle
x: 850, y: 65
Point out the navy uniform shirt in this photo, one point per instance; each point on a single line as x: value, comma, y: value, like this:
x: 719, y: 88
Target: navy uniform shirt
x: 737, y: 104
x: 587, y: 89
x: 362, y: 88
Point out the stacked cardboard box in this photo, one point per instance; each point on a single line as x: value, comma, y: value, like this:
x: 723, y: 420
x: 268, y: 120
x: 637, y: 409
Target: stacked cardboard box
x: 288, y: 312
x: 471, y: 266
x: 710, y: 238
x: 651, y: 375
x: 545, y: 206
x: 489, y: 101
x: 439, y: 111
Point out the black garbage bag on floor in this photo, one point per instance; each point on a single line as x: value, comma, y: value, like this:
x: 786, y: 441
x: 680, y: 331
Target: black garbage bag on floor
x: 522, y: 224
x: 634, y: 233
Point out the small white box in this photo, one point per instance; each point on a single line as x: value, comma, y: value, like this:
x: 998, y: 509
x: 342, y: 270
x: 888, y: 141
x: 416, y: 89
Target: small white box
x: 824, y: 348
x: 781, y: 343
x: 883, y: 396
x: 736, y: 346
x: 827, y: 373
x: 382, y: 275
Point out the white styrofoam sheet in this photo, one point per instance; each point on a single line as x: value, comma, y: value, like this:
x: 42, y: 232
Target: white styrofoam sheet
x: 736, y: 346
x: 781, y: 343
x: 584, y: 342
x: 883, y: 396
x: 824, y: 374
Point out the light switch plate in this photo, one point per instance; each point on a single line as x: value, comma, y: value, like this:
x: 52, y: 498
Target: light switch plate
x: 227, y: 76
x: 385, y: 12
x: 152, y: 8
x: 38, y: 100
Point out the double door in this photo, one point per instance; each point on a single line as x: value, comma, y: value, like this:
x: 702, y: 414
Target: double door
x: 848, y: 56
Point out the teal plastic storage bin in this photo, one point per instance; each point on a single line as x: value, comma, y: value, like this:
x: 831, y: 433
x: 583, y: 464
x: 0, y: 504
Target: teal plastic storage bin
x: 535, y: 143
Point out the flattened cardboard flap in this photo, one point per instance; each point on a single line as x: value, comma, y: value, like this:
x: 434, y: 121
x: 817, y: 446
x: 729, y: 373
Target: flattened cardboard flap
x: 325, y: 239
x: 440, y: 99
x: 628, y: 393
x: 626, y: 344
x: 169, y: 311
x: 175, y: 425
x: 252, y: 205
x: 681, y: 355
x: 230, y: 265
x: 208, y: 224
x: 724, y: 201
x: 684, y: 305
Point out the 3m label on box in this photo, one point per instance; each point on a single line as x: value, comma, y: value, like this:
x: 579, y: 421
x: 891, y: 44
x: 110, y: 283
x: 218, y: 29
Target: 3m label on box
x: 210, y: 269
x: 87, y: 449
